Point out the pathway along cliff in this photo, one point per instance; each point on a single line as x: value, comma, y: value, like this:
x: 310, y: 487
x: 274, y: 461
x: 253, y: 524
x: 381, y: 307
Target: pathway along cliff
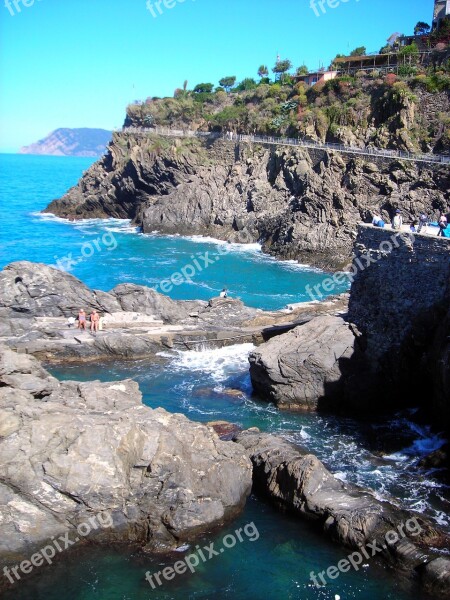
x: 301, y: 203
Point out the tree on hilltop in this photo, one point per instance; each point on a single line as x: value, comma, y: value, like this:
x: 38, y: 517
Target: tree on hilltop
x: 421, y: 28
x: 227, y: 83
x: 203, y: 88
x: 263, y: 71
x: 302, y: 70
x: 360, y: 51
x: 281, y: 68
x: 246, y: 84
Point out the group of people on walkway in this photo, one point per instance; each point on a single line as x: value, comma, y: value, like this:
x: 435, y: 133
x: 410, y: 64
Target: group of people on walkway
x: 94, y: 318
x: 417, y: 226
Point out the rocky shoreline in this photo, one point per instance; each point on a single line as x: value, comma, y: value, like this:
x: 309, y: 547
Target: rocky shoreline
x: 300, y: 203
x: 72, y: 451
x: 75, y: 452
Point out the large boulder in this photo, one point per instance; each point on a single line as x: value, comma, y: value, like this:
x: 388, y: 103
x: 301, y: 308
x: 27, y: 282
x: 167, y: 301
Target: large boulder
x: 37, y: 290
x: 73, y: 451
x: 144, y: 300
x: 312, y: 366
x: 351, y: 515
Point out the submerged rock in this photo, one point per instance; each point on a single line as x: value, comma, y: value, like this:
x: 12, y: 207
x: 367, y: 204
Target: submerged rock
x: 72, y: 451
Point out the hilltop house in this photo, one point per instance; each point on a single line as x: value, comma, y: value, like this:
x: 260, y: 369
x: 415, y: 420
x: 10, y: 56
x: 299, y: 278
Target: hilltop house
x: 318, y: 76
x: 441, y: 10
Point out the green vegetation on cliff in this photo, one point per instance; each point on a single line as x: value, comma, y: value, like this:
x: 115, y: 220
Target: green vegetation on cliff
x: 406, y: 110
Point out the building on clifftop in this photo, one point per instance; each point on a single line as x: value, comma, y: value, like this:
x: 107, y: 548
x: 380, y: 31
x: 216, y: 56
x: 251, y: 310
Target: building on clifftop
x: 441, y: 10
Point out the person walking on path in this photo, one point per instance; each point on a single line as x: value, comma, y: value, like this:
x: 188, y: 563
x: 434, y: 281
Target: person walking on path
x: 423, y: 222
x: 397, y: 221
x: 442, y: 225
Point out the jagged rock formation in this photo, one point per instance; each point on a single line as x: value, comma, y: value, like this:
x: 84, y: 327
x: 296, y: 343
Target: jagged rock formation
x: 302, y: 204
x: 71, y: 142
x: 72, y: 451
x: 36, y: 300
x: 299, y: 482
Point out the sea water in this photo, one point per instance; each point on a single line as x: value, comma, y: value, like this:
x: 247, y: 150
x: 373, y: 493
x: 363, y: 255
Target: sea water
x: 209, y: 385
x: 104, y: 253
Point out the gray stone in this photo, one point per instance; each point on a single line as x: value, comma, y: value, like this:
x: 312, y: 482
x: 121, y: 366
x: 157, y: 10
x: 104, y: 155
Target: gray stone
x: 351, y: 515
x: 301, y: 203
x: 140, y: 299
x: 309, y: 367
x: 90, y: 448
x: 37, y: 290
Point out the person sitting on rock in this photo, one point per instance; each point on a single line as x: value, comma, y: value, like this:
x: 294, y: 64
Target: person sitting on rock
x: 95, y: 318
x: 377, y: 221
x: 224, y: 293
x: 81, y: 319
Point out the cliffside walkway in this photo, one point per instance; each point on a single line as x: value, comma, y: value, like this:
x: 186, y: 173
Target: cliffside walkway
x: 278, y: 141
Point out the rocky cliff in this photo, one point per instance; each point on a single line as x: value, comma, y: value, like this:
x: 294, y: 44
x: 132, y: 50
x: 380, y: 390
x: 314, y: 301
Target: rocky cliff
x: 301, y: 204
x: 71, y: 142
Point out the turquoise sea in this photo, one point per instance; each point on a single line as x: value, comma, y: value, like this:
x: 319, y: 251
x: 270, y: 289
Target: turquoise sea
x: 278, y: 564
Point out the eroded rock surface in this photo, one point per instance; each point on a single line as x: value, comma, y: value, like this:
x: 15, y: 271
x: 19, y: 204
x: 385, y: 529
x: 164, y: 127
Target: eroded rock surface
x: 351, y: 515
x: 302, y: 204
x: 70, y: 451
x: 314, y: 365
x: 35, y: 301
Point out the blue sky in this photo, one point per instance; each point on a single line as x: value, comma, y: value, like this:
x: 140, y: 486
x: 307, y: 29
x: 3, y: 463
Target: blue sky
x: 78, y: 63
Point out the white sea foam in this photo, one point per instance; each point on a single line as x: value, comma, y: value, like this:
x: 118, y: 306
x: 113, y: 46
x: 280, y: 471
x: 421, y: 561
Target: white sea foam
x: 217, y: 362
x: 110, y: 224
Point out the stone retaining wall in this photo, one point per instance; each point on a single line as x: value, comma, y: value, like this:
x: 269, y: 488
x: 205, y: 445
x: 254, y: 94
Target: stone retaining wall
x: 399, y: 300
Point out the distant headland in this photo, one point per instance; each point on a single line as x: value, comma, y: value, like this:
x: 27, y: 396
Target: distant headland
x: 71, y: 142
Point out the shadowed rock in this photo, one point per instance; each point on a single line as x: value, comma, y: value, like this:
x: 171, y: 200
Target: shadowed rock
x: 314, y: 365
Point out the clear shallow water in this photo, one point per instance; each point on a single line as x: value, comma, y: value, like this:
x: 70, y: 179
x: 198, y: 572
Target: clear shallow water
x: 104, y: 253
x: 278, y: 564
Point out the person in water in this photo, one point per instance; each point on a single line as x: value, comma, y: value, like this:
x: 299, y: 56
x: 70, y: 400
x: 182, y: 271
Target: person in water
x: 95, y: 318
x: 81, y: 319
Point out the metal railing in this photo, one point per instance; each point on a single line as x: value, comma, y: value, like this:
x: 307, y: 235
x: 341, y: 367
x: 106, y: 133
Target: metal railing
x: 282, y: 141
